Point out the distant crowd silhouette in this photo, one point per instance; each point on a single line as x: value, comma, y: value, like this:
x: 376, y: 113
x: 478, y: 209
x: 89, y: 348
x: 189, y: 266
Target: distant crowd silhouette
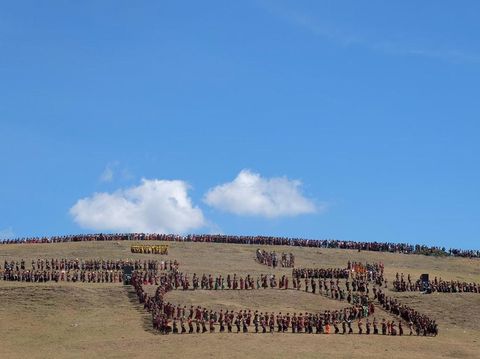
x: 257, y: 240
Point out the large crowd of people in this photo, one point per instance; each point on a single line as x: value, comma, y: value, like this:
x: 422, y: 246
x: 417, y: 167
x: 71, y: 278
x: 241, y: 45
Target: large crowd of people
x: 258, y: 240
x: 84, y: 276
x: 358, y: 277
x: 183, y: 281
x: 357, y: 274
x: 351, y: 285
x: 321, y: 273
x: 170, y: 318
x: 332, y: 289
x: 355, y: 291
x: 418, y: 323
x: 78, y: 270
x: 402, y: 284
x: 87, y: 264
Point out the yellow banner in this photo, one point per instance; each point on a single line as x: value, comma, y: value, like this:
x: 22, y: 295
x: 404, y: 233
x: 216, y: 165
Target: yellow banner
x: 150, y: 249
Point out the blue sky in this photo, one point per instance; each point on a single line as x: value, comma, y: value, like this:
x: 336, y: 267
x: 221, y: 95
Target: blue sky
x: 355, y: 121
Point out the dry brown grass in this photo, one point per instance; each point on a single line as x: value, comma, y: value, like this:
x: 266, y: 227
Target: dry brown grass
x: 104, y: 320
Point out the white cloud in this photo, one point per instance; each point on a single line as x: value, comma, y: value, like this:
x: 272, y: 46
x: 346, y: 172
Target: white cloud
x: 109, y: 172
x: 159, y: 206
x: 107, y: 175
x: 251, y: 194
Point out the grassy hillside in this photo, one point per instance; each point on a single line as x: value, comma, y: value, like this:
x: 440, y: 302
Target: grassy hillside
x: 105, y: 320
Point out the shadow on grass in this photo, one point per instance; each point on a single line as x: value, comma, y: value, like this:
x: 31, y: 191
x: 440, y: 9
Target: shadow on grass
x: 146, y: 316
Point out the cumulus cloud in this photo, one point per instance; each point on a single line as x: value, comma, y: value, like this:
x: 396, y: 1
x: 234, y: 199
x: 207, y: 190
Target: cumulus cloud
x: 159, y: 206
x: 251, y: 194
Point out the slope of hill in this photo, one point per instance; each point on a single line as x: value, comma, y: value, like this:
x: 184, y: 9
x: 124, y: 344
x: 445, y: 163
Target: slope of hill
x: 105, y: 320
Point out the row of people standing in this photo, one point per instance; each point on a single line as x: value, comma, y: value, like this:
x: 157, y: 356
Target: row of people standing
x: 86, y: 264
x: 404, y: 248
x: 420, y: 323
x: 45, y: 276
x: 437, y: 285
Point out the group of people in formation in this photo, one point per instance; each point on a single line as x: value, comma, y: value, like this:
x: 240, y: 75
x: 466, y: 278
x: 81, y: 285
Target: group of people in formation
x: 309, y: 323
x: 272, y: 259
x: 150, y: 249
x: 270, y: 322
x: 184, y: 281
x: 167, y: 317
x: 356, y: 274
x: 437, y: 285
x: 83, y: 264
x: 419, y: 323
x: 372, y: 271
x: 256, y: 240
x: 336, y: 273
x: 75, y: 270
x: 84, y: 276
x: 353, y: 293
